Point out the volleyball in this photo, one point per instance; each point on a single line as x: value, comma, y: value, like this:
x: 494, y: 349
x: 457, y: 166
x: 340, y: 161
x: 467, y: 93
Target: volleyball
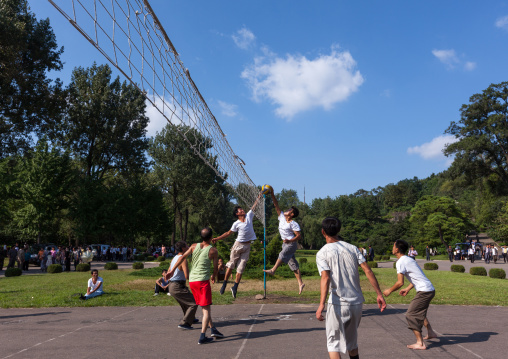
x: 266, y: 189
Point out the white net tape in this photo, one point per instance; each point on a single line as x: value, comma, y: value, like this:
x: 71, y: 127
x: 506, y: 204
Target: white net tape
x: 129, y: 35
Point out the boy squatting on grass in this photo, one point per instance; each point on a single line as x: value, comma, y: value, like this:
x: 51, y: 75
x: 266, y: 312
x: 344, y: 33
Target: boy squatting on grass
x: 416, y: 314
x: 241, y: 249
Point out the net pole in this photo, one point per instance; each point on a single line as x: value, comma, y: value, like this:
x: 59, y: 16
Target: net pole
x: 264, y: 243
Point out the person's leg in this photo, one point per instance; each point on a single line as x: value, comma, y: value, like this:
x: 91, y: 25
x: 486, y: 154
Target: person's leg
x: 416, y: 316
x: 230, y: 265
x: 186, y: 300
x: 206, y: 319
x: 225, y: 283
x: 274, y: 268
x: 430, y: 333
x: 93, y: 295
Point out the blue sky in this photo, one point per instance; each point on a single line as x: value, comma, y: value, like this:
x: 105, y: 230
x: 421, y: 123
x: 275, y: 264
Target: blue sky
x: 333, y: 96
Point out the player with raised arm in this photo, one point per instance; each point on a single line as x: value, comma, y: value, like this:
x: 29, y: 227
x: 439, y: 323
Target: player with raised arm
x: 290, y: 233
x: 241, y: 249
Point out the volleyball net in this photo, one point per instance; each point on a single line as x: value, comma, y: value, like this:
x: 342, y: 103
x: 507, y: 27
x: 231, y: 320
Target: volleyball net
x: 130, y: 36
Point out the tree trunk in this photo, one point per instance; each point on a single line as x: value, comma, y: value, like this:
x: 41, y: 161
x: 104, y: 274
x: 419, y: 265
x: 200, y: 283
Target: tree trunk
x: 186, y: 224
x: 441, y: 237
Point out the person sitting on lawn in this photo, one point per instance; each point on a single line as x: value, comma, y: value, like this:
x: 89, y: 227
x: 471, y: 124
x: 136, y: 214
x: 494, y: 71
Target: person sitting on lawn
x: 162, y: 285
x: 95, y: 286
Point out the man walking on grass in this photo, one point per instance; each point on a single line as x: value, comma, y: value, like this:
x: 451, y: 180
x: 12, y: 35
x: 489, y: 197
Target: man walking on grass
x: 199, y: 280
x: 338, y: 263
x: 241, y: 249
x: 416, y: 314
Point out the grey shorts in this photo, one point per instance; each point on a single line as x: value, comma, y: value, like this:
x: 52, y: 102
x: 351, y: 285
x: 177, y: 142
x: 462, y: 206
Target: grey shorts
x: 287, y: 255
x: 417, y: 311
x: 342, y: 323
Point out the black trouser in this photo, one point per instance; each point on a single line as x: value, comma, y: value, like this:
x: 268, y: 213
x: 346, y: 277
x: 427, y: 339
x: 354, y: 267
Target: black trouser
x: 504, y: 257
x: 450, y: 256
x: 26, y: 264
x: 158, y: 289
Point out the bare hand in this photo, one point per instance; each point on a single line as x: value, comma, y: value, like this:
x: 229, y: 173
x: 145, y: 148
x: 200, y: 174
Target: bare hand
x: 214, y: 240
x: 387, y: 292
x: 381, y: 302
x: 403, y: 292
x: 319, y: 313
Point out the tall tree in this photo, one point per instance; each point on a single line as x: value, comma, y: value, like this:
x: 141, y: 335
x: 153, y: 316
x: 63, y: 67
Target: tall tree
x: 29, y: 101
x: 482, y: 132
x: 438, y: 219
x: 105, y: 125
x: 192, y: 186
x: 45, y: 179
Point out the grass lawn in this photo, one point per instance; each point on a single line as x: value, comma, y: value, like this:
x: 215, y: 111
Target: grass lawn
x: 125, y: 289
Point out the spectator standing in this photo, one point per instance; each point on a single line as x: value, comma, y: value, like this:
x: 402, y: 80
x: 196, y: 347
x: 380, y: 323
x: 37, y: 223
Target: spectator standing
x: 371, y: 253
x: 470, y: 253
x: 3, y: 254
x: 13, y: 254
x: 494, y: 253
x: 450, y: 253
x: 427, y: 253
x: 21, y: 258
x: 488, y: 254
x: 505, y: 253
x: 26, y: 262
x: 412, y: 253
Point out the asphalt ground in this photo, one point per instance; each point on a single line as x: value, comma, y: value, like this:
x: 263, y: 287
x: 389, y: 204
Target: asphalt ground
x: 252, y: 331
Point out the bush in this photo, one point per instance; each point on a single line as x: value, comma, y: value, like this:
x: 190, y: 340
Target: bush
x: 150, y: 258
x: 478, y: 271
x: 372, y: 264
x: 111, y: 266
x: 430, y: 266
x: 303, y: 260
x: 55, y: 268
x: 377, y: 258
x: 395, y: 265
x: 459, y: 268
x: 138, y: 265
x: 497, y: 273
x: 139, y: 257
x: 385, y: 258
x: 360, y: 271
x: 164, y: 265
x: 83, y: 267
x: 13, y: 272
x: 161, y: 258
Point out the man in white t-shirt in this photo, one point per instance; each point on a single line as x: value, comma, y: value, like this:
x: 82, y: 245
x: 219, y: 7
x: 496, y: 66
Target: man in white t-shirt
x: 241, y: 249
x: 338, y: 263
x: 416, y: 314
x: 290, y: 234
x: 95, y: 286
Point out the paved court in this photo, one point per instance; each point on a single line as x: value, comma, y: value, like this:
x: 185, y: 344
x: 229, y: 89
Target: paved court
x: 252, y: 331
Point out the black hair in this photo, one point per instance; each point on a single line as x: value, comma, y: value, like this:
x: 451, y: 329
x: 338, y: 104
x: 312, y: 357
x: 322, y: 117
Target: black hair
x: 296, y: 212
x: 206, y: 234
x: 179, y: 246
x: 94, y: 270
x: 235, y: 210
x: 401, y: 245
x: 331, y: 226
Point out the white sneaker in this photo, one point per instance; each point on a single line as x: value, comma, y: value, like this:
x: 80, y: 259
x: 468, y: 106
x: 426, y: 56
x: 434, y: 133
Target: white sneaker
x: 156, y: 294
x: 169, y: 294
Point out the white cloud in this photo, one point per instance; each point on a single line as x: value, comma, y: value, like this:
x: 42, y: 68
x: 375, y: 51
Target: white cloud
x: 469, y: 66
x: 243, y: 38
x: 447, y: 57
x: 433, y: 150
x: 386, y: 93
x: 502, y: 22
x: 228, y: 109
x: 296, y: 84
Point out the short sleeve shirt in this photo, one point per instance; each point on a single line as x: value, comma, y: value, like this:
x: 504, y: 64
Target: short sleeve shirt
x: 93, y: 286
x: 410, y: 269
x: 245, y: 229
x: 342, y: 260
x: 287, y: 230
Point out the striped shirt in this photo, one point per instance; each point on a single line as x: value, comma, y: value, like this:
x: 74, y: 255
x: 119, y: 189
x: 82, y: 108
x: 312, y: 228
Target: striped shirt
x: 342, y: 260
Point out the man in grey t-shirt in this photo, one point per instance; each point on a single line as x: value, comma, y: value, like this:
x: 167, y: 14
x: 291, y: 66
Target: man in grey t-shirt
x: 338, y: 263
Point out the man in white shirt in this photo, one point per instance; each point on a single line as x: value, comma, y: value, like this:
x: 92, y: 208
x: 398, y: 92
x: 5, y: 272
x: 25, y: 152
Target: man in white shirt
x: 337, y: 264
x: 95, y: 287
x: 290, y: 233
x: 416, y: 314
x: 241, y: 249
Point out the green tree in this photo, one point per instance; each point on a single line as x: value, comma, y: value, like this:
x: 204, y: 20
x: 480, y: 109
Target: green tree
x: 45, y: 179
x: 482, y: 133
x: 438, y: 219
x: 105, y: 124
x: 29, y: 101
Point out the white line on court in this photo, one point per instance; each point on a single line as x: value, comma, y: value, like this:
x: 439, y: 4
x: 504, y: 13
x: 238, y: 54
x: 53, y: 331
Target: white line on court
x: 467, y: 350
x: 248, y: 334
x: 71, y: 332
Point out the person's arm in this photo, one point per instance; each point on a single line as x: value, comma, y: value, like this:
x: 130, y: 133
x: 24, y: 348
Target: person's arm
x: 180, y: 260
x: 185, y: 269
x: 256, y: 201
x: 296, y: 238
x: 214, y: 255
x: 373, y: 281
x: 225, y: 235
x: 275, y: 203
x: 325, y: 284
x: 406, y: 290
x: 159, y: 282
x: 397, y: 285
x: 96, y: 288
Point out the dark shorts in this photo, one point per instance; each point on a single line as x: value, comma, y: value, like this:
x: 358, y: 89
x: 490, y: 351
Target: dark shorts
x: 417, y: 311
x: 202, y: 292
